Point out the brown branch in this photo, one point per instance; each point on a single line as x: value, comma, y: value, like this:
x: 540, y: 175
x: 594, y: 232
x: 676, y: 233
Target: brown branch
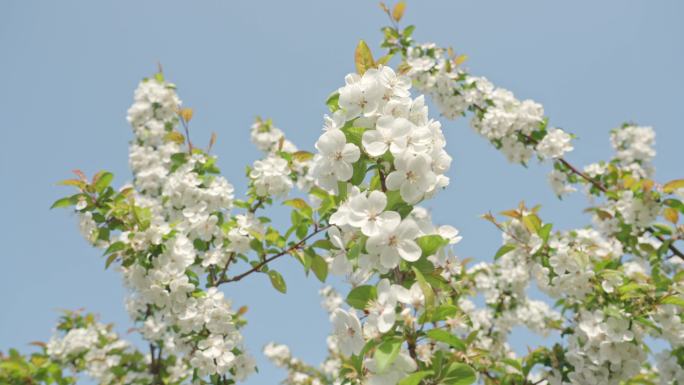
x: 259, y: 203
x: 603, y: 189
x: 187, y: 132
x: 231, y: 258
x: 381, y: 174
x: 258, y: 266
x: 599, y: 186
x: 222, y: 275
x: 584, y: 176
x: 672, y: 248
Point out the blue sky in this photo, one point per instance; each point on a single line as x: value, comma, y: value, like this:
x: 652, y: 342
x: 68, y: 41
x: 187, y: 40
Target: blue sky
x: 69, y: 68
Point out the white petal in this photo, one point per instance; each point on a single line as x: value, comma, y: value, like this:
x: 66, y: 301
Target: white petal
x: 350, y: 153
x: 394, y: 180
x: 409, y: 251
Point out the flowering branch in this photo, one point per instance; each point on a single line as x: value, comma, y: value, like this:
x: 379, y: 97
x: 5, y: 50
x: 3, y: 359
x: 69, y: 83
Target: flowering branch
x: 259, y: 265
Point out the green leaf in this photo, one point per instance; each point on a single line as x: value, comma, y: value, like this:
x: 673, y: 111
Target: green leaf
x: 646, y: 322
x: 386, y: 353
x: 459, y: 374
x: 302, y: 156
x: 354, y: 135
x: 110, y: 259
x: 545, y: 232
x: 359, y: 172
x: 101, y: 180
x: 430, y: 244
x: 532, y: 222
x: 63, y: 202
x: 632, y: 286
x: 442, y: 312
x: 319, y: 267
x: 513, y: 363
x: 300, y: 205
x: 332, y: 102
x: 322, y: 244
x: 360, y: 296
x: 446, y: 337
x: 503, y: 250
x: 114, y: 247
x: 277, y: 281
x: 415, y: 378
x: 200, y: 245
x: 675, y: 203
x: 393, y: 200
x: 304, y: 259
x: 342, y: 191
x: 425, y: 287
x: 673, y: 300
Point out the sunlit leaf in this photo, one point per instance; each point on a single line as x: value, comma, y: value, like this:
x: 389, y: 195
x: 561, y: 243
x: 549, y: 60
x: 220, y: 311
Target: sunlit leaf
x: 359, y: 296
x: 673, y: 185
x: 671, y: 214
x: 363, y: 58
x: 186, y: 113
x: 398, y: 11
x: 386, y: 353
x: 277, y: 281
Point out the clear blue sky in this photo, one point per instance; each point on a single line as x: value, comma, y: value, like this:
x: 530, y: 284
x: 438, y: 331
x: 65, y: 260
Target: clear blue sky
x: 69, y: 68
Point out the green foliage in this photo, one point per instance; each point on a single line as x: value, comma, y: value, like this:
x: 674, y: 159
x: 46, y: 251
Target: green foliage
x: 37, y: 368
x: 277, y: 281
x: 459, y: 374
x: 439, y: 335
x: 415, y: 378
x: 430, y: 244
x: 386, y: 353
x: 359, y: 296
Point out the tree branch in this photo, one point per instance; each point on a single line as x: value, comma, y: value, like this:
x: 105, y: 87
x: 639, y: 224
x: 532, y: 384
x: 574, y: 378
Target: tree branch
x: 258, y: 266
x: 603, y: 189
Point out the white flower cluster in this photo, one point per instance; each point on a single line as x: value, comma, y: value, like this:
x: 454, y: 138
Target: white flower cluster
x: 390, y: 238
x: 669, y: 317
x: 393, y: 127
x: 504, y: 286
x: 559, y: 183
x: 100, y: 351
x: 180, y: 203
x: 499, y: 116
x: 638, y: 211
x: 634, y: 149
x: 510, y: 124
x: 572, y: 263
x: 269, y: 138
x: 669, y: 369
x: 274, y: 175
x: 604, y: 349
x: 271, y: 177
x: 152, y: 115
x: 329, y: 371
x: 554, y: 144
x: 378, y: 124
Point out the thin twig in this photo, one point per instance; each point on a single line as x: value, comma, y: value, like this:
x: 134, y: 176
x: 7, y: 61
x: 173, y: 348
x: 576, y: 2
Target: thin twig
x: 258, y: 266
x: 603, y: 189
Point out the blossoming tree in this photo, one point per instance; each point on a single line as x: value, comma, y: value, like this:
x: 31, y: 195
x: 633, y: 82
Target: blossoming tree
x: 408, y: 314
